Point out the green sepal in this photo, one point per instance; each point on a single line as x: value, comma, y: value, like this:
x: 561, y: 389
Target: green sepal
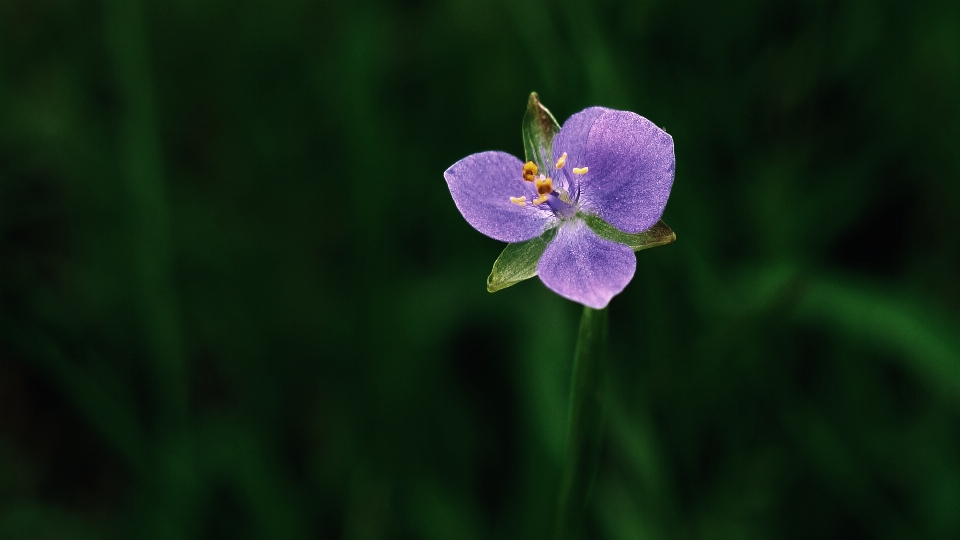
x: 658, y: 235
x: 539, y: 127
x: 518, y: 262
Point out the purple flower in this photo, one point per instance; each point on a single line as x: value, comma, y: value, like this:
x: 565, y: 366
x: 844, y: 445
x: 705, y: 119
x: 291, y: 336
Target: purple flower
x: 613, y: 164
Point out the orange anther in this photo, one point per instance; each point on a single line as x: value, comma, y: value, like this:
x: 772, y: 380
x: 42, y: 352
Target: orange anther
x: 529, y: 171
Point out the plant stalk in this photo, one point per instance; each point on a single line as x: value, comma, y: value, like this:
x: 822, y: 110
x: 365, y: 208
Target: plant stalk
x: 585, y: 422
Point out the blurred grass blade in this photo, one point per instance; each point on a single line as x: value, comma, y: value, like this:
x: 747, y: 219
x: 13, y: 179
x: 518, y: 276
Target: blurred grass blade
x: 141, y: 167
x: 230, y: 453
x: 110, y: 412
x: 436, y: 512
x: 658, y: 235
x: 539, y: 127
x: 518, y: 262
x: 925, y: 336
x: 35, y: 520
x: 585, y: 428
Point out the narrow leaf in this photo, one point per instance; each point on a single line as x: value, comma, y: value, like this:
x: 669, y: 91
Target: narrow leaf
x: 539, y: 127
x: 518, y: 262
x: 658, y: 235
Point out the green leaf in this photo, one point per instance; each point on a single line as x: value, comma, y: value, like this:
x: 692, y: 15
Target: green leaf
x: 658, y: 235
x: 539, y: 127
x: 518, y: 262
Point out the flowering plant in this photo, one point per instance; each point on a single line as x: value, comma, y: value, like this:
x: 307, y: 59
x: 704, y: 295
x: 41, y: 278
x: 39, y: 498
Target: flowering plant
x: 590, y: 194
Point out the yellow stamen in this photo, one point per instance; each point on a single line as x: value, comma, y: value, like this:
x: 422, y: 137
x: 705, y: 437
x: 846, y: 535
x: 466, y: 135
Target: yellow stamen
x: 519, y: 201
x: 540, y: 200
x: 529, y: 171
x: 561, y: 161
x: 544, y: 185
x: 579, y: 170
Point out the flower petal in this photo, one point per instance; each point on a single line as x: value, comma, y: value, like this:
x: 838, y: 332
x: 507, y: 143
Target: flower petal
x: 631, y: 167
x: 481, y: 186
x: 572, y: 139
x: 581, y: 266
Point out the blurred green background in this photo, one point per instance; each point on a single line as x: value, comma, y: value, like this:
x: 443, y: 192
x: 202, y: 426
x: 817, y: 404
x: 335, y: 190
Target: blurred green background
x: 237, y: 301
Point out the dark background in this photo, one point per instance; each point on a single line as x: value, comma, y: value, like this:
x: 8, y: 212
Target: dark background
x: 237, y: 301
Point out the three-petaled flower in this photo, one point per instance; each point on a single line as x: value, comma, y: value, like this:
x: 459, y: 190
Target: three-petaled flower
x: 613, y: 164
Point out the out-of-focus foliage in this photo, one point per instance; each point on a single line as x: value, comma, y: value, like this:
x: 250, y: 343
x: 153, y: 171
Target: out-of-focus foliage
x: 236, y: 300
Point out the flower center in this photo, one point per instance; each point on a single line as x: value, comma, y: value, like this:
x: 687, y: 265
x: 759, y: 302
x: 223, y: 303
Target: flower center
x: 557, y: 199
x: 544, y: 188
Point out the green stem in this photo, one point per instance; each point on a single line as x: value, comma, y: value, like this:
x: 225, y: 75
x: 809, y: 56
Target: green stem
x: 585, y: 428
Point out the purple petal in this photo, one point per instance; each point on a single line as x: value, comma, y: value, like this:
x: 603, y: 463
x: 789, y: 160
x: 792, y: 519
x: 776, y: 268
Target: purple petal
x: 572, y: 139
x: 481, y: 186
x: 585, y: 268
x: 631, y: 166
